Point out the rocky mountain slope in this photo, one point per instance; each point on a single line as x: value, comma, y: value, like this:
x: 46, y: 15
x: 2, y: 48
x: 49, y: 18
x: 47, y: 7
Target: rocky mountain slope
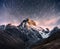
x: 25, y: 36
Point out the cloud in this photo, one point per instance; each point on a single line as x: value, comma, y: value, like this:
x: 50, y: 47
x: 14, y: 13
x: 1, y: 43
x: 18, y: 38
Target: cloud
x: 58, y: 22
x: 48, y: 23
x: 45, y: 13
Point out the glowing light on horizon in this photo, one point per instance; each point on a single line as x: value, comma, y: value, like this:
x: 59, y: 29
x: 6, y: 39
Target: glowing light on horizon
x: 40, y: 23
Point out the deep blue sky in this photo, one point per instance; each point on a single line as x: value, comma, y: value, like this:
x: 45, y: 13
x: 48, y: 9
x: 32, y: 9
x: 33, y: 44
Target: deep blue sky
x: 38, y: 10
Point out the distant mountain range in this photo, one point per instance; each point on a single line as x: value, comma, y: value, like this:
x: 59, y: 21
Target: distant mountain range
x: 26, y: 35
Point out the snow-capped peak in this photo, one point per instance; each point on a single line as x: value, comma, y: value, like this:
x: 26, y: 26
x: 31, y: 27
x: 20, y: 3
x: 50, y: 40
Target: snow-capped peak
x: 30, y: 24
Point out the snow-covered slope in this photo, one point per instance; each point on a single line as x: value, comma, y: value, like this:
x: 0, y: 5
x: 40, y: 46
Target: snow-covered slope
x: 33, y: 33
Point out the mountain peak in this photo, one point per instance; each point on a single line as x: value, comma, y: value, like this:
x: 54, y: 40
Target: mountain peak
x: 27, y: 23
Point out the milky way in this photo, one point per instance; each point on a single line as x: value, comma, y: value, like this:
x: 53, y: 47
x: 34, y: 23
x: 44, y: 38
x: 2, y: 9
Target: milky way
x: 46, y: 13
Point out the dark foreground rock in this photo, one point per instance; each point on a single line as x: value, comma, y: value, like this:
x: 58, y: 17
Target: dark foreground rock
x: 9, y: 41
x: 53, y: 42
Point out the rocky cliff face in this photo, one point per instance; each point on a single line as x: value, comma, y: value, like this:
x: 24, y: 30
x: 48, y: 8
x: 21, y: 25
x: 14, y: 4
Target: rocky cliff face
x: 53, y: 42
x: 22, y: 37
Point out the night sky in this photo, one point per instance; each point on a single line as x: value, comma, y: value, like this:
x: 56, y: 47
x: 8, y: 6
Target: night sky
x: 46, y: 13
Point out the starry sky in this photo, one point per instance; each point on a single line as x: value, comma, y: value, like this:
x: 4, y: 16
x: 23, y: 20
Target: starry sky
x: 46, y: 13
